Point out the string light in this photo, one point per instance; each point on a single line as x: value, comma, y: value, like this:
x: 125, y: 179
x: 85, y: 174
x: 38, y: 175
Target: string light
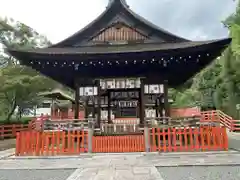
x: 76, y: 66
x: 163, y: 61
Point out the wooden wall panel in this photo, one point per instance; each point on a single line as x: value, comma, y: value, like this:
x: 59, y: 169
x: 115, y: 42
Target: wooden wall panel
x: 123, y: 33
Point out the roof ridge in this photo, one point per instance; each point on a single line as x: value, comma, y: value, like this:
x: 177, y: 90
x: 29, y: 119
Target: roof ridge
x: 113, y: 7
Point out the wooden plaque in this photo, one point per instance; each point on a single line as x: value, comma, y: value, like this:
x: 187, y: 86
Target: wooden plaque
x: 88, y: 91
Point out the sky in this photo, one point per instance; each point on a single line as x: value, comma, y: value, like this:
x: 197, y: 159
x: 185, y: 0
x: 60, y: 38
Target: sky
x: 58, y: 19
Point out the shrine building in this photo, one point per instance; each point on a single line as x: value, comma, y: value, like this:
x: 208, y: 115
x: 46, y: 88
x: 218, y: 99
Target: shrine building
x: 121, y: 65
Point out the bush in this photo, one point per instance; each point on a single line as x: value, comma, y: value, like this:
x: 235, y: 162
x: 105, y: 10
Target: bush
x: 23, y: 120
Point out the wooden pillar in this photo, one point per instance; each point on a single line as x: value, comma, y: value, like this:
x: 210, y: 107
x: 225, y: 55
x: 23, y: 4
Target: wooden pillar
x: 93, y: 107
x: 160, y: 100
x: 109, y: 106
x: 77, y: 97
x: 141, y: 103
x: 52, y: 109
x: 156, y: 107
x: 86, y: 108
x: 98, y: 103
x: 166, y: 103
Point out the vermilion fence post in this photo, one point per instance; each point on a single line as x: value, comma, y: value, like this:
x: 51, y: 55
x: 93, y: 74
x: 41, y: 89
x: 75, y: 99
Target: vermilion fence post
x: 191, y: 145
x: 174, y: 135
x: 164, y: 140
x: 225, y: 139
x: 214, y: 138
x: 180, y: 139
x: 154, y: 148
x: 38, y: 143
x: 18, y: 145
x: 169, y: 140
x: 196, y: 139
x: 185, y: 135
x: 78, y: 136
x: 202, y: 145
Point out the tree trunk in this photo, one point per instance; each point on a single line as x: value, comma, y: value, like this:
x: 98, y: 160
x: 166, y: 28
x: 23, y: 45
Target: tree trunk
x: 13, y: 107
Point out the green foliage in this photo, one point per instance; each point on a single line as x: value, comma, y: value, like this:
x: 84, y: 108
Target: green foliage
x: 20, y: 85
x: 218, y: 85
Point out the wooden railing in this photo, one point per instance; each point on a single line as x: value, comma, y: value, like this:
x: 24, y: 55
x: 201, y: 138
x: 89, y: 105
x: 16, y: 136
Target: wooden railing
x: 119, y: 129
x: 66, y: 124
x: 192, y: 139
x: 10, y: 131
x: 222, y: 118
x: 51, y: 143
x: 165, y: 122
x: 119, y: 143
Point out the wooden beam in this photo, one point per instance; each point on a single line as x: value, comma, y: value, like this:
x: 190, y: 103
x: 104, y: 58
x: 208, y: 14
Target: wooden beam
x: 86, y: 107
x: 109, y: 107
x: 166, y: 103
x: 98, y: 103
x: 76, y: 112
x: 93, y: 107
x: 156, y: 107
x: 141, y: 103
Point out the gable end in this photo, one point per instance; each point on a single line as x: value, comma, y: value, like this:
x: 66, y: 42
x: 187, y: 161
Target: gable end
x: 119, y: 32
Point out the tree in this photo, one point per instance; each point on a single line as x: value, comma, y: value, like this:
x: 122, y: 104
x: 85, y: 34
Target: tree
x: 20, y: 85
x: 218, y: 85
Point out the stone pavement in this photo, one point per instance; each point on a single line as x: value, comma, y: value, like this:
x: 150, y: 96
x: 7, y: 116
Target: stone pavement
x: 7, y: 153
x: 139, y: 166
x: 234, y: 140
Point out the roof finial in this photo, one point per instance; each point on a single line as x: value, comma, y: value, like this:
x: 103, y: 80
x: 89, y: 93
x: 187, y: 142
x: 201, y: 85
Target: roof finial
x: 121, y: 1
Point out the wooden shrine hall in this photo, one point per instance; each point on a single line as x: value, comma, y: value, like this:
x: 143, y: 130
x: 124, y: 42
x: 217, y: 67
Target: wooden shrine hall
x: 122, y: 63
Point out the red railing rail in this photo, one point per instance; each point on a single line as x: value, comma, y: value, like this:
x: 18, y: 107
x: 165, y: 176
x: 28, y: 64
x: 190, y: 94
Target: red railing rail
x: 34, y: 143
x: 188, y: 139
x: 10, y: 131
x: 218, y: 116
x: 119, y: 143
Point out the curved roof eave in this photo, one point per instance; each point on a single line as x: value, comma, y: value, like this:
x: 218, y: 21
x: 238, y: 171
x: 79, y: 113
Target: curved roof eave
x: 115, y: 49
x: 116, y: 5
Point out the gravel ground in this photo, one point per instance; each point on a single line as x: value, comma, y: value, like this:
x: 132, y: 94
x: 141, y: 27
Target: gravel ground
x: 200, y: 173
x: 59, y: 174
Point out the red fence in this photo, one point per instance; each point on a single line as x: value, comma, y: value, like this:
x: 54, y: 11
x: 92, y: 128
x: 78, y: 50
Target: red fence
x: 51, y: 143
x: 10, y: 131
x: 119, y: 143
x: 220, y: 117
x: 188, y: 139
x: 165, y: 140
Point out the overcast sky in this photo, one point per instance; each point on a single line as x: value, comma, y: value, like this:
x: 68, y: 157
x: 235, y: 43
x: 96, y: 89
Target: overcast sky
x: 58, y: 19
